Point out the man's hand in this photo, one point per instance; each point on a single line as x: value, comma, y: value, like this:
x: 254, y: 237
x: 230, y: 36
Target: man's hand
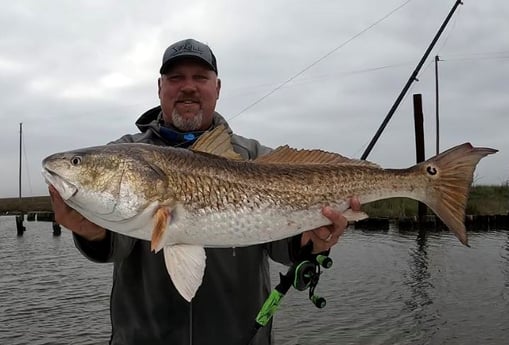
x: 325, y: 237
x: 72, y: 220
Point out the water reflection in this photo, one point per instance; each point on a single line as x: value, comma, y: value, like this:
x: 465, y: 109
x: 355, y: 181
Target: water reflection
x: 418, y: 277
x: 505, y: 267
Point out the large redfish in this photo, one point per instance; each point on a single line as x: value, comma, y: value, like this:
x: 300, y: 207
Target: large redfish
x: 184, y: 200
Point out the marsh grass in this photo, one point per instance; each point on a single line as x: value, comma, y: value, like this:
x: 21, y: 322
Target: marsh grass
x: 483, y: 200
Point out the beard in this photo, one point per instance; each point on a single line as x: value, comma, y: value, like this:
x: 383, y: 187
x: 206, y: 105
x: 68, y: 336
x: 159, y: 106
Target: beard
x: 187, y: 124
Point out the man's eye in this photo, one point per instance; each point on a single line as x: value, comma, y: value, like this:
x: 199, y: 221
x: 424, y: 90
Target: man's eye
x: 173, y: 77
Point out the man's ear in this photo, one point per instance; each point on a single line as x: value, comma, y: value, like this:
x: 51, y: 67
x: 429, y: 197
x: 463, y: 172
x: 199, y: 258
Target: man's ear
x: 218, y: 87
x: 159, y: 87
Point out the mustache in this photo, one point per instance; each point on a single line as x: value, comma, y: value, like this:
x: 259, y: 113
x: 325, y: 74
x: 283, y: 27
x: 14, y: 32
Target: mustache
x: 188, y: 98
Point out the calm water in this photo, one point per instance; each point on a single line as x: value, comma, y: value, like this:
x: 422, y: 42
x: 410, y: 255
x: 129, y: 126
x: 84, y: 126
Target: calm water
x: 384, y: 288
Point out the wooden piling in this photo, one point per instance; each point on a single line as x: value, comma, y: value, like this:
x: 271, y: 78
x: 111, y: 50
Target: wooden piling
x: 419, y: 144
x: 20, y: 228
x: 57, y: 231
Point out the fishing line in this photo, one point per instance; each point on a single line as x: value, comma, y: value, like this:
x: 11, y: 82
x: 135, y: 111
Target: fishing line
x: 447, y: 35
x: 449, y: 31
x: 320, y: 59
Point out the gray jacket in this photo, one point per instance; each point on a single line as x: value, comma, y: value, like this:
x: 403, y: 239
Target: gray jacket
x: 146, y: 308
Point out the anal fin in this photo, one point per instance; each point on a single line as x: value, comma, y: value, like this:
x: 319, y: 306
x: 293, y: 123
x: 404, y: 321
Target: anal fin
x: 185, y: 264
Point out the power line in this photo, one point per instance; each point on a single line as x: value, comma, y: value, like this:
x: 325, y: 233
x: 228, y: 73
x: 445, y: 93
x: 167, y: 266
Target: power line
x: 458, y: 55
x: 313, y: 78
x: 472, y: 58
x: 251, y: 89
x: 320, y: 59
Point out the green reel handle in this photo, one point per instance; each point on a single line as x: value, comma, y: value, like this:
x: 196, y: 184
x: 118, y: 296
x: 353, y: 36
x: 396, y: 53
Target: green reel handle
x: 318, y: 301
x: 324, y: 261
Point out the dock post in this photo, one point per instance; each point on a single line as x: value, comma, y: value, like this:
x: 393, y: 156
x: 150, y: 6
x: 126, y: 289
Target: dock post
x: 57, y: 231
x: 20, y: 228
x: 419, y: 145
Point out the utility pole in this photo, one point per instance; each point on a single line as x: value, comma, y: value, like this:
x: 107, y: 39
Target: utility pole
x: 20, y: 228
x: 20, y: 148
x: 437, y: 58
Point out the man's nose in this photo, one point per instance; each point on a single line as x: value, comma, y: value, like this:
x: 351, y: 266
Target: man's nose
x: 189, y: 85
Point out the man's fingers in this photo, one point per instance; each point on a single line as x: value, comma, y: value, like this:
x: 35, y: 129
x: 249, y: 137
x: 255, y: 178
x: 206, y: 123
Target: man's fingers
x: 335, y: 217
x: 339, y: 222
x: 56, y: 199
x: 355, y: 204
x: 73, y: 220
x: 325, y: 237
x: 316, y: 235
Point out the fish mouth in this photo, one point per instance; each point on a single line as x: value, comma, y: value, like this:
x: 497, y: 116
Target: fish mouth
x: 64, y: 187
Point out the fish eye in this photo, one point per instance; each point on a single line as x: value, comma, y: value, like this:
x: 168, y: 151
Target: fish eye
x: 76, y: 160
x: 431, y: 170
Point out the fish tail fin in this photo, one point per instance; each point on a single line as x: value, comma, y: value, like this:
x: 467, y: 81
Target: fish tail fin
x: 452, y: 174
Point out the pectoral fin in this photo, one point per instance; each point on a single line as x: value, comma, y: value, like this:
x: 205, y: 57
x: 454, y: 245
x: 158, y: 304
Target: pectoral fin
x: 162, y: 218
x: 186, y: 265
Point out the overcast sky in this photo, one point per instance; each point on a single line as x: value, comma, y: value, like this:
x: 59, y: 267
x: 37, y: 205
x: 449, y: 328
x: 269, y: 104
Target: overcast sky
x: 79, y: 73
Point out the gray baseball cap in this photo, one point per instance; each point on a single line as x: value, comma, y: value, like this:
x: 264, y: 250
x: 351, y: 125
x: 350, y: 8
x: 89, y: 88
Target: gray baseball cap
x: 188, y: 48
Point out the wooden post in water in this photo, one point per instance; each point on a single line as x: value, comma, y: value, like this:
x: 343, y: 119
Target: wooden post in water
x: 419, y: 144
x: 20, y: 228
x: 57, y: 230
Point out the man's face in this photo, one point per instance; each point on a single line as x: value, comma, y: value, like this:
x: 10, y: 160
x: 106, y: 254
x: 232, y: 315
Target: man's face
x: 188, y: 93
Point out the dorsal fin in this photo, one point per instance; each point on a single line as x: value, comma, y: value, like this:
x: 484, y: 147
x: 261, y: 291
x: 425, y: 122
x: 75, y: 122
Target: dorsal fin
x: 216, y: 142
x: 287, y: 155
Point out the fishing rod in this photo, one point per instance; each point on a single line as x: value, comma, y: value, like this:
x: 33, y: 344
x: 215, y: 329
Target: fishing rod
x: 413, y: 77
x: 302, y: 275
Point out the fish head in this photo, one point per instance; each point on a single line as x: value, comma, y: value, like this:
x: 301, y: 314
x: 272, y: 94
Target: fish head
x: 108, y: 183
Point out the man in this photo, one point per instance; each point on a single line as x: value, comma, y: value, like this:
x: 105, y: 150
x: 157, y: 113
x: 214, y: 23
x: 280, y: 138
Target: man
x: 145, y: 307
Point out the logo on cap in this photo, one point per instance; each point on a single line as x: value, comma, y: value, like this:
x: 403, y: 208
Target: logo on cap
x: 186, y: 47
